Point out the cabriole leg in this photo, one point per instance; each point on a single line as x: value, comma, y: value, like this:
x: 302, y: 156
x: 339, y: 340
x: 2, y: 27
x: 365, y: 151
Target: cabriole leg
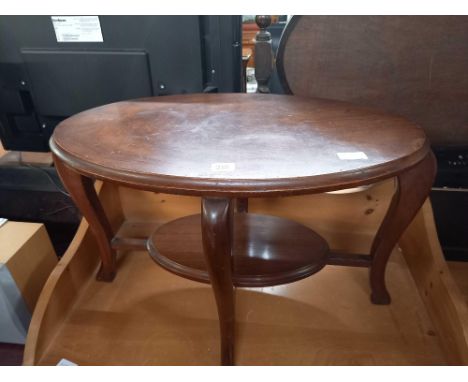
x: 82, y: 191
x: 413, y: 187
x: 217, y: 226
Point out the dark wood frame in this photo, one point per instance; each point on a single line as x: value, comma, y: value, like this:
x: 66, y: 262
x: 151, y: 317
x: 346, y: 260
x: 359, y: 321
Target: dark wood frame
x: 280, y: 53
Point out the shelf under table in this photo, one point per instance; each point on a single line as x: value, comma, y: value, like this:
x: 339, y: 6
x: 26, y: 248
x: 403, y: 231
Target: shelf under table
x: 266, y: 250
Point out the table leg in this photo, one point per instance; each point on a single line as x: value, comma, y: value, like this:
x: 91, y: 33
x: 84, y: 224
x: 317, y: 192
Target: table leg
x: 242, y: 205
x: 84, y: 195
x: 413, y: 188
x: 217, y: 226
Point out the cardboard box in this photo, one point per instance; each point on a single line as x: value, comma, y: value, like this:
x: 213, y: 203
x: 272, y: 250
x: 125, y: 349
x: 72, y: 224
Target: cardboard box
x: 26, y: 260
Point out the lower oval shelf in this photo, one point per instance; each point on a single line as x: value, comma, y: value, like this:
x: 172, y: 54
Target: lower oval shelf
x: 267, y: 250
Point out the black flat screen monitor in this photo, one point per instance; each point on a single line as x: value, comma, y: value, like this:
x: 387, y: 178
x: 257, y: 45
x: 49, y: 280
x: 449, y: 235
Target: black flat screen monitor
x: 52, y: 67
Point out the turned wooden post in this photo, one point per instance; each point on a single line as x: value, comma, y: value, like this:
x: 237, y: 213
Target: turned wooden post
x: 263, y: 54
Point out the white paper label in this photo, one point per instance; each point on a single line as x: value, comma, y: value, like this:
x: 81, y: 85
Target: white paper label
x: 77, y: 28
x: 223, y: 167
x: 352, y: 155
x: 66, y: 362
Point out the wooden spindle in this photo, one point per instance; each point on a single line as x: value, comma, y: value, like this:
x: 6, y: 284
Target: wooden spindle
x: 263, y: 54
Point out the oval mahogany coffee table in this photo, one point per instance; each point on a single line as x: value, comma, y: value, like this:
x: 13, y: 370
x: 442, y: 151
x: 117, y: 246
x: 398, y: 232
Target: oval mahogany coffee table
x: 226, y: 148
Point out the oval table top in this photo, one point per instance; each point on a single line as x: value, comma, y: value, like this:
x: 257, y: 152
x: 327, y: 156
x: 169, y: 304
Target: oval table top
x: 238, y: 144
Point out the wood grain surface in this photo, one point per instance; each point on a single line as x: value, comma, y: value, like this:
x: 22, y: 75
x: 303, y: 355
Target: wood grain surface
x: 148, y: 316
x: 266, y: 250
x: 242, y: 144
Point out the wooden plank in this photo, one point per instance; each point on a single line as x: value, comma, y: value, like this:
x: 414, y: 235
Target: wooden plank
x: 42, y: 159
x: 349, y: 259
x: 26, y: 157
x: 149, y: 316
x: 66, y: 282
x: 459, y: 271
x: 440, y: 293
x: 27, y: 252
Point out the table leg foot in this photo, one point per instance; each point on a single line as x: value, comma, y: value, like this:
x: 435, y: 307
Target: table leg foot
x: 81, y: 189
x: 217, y: 226
x: 106, y: 275
x: 413, y: 188
x: 380, y: 297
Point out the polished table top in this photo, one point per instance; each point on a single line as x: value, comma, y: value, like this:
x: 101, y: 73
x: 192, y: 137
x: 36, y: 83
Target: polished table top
x: 238, y: 144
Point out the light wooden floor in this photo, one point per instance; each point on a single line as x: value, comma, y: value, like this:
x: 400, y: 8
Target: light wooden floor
x: 148, y: 316
x: 459, y: 272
